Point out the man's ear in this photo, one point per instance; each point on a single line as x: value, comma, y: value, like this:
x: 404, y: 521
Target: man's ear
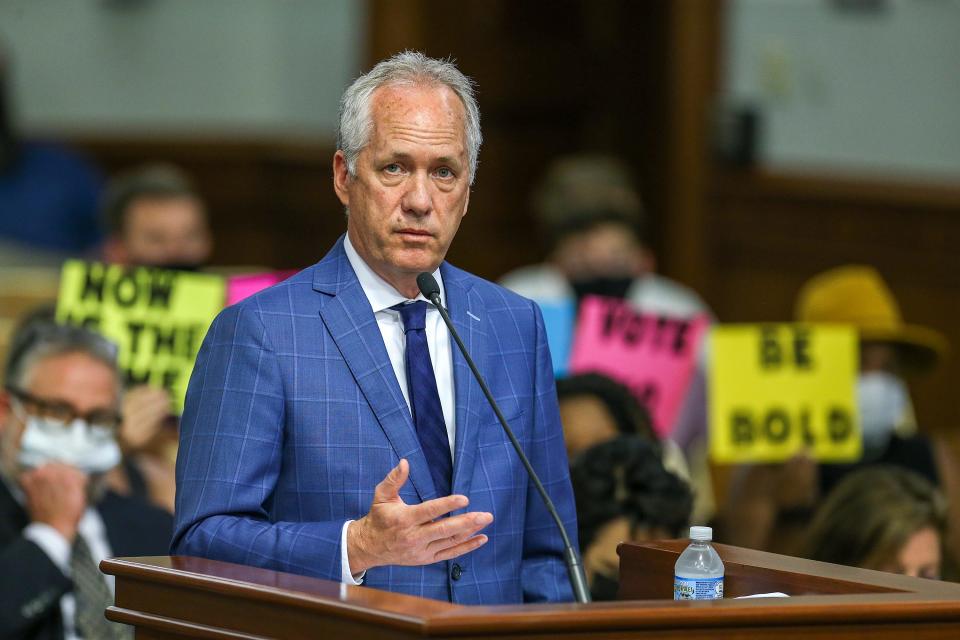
x: 341, y: 177
x: 466, y: 204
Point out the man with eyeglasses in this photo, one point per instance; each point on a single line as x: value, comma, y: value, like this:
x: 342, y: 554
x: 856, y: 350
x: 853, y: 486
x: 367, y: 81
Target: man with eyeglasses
x: 58, y: 424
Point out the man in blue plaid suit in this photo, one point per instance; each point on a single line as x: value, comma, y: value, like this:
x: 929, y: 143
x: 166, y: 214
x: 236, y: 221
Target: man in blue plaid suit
x: 305, y: 442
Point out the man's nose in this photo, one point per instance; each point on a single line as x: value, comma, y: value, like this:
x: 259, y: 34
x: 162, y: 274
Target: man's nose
x: 417, y: 199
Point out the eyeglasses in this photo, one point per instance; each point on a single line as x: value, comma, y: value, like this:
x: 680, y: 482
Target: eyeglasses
x: 65, y: 412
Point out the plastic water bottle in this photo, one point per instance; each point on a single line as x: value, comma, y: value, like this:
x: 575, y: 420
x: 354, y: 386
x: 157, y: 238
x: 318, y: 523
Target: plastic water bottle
x: 698, y: 574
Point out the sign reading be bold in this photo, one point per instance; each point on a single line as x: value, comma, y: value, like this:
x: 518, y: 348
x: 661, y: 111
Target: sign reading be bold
x: 775, y: 390
x: 653, y: 355
x: 157, y: 318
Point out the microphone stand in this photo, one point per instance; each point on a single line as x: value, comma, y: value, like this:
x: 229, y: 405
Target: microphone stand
x: 431, y: 290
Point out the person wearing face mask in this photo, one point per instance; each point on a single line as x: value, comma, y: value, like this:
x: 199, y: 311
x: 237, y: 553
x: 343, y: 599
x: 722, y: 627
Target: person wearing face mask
x: 154, y: 217
x: 769, y: 506
x: 58, y: 438
x: 890, y: 350
x: 593, y: 219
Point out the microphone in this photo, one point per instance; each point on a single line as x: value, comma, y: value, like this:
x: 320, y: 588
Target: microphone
x: 431, y: 291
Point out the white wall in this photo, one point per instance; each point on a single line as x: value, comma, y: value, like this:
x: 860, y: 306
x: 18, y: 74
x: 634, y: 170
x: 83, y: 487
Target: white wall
x: 270, y: 67
x: 878, y: 91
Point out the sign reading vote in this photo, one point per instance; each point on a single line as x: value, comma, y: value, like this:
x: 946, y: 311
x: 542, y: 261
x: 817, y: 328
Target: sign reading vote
x: 653, y: 355
x: 157, y: 318
x: 777, y: 389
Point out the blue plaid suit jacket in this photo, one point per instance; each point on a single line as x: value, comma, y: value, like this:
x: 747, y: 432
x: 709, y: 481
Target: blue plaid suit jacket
x: 293, y: 415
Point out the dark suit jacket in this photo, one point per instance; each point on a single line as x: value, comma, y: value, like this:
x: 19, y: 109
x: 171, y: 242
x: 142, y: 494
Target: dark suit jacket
x: 31, y: 584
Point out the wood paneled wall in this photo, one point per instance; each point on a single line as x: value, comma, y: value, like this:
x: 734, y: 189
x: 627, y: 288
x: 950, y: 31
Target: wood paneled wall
x: 271, y: 203
x: 770, y: 232
x: 635, y: 79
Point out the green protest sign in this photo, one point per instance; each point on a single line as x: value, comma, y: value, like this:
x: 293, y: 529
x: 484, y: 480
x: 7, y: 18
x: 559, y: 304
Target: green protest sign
x: 157, y: 317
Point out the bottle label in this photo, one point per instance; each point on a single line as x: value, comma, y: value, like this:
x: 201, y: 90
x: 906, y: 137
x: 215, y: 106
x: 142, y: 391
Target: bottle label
x: 692, y: 589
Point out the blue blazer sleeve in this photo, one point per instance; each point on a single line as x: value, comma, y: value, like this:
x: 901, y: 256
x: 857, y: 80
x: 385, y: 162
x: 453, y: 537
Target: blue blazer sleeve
x: 544, y: 573
x: 231, y: 444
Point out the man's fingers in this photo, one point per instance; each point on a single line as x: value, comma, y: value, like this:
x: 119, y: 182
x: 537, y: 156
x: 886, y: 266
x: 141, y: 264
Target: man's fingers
x: 457, y: 527
x: 444, y: 543
x: 458, y: 550
x: 432, y: 509
x: 389, y: 488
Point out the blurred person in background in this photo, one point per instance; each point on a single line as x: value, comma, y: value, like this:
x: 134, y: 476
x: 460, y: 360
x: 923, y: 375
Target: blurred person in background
x: 769, y: 506
x: 624, y: 494
x: 883, y: 517
x: 595, y: 409
x: 59, y: 420
x: 593, y: 219
x: 48, y: 194
x: 154, y: 217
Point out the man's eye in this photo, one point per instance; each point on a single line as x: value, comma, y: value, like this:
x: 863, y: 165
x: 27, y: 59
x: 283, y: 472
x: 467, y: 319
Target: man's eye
x: 444, y: 172
x: 393, y: 167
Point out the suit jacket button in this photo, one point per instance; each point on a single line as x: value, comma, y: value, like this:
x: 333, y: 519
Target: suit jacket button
x: 456, y: 571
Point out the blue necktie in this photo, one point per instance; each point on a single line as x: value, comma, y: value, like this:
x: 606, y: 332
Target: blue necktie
x: 424, y: 398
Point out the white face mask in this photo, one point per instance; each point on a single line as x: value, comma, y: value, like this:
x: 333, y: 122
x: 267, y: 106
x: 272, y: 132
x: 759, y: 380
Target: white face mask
x: 883, y: 400
x: 90, y: 449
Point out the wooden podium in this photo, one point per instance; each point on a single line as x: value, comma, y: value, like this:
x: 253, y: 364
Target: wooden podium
x: 174, y: 597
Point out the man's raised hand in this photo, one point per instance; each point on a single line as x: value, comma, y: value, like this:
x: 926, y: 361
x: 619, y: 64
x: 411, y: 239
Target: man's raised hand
x: 394, y: 532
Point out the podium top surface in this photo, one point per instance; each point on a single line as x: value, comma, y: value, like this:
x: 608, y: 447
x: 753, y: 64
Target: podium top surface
x: 174, y: 590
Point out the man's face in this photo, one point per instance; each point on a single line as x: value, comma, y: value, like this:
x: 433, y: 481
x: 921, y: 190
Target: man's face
x: 412, y: 182
x: 75, y: 379
x: 162, y: 232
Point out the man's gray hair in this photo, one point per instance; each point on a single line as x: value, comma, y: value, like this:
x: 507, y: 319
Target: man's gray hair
x: 39, y: 338
x: 410, y: 68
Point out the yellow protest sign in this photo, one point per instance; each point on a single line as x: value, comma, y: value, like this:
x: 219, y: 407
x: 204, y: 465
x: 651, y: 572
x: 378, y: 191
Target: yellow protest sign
x: 157, y: 317
x: 777, y: 389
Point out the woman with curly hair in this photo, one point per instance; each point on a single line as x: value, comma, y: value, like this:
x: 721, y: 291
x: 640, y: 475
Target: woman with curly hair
x: 624, y: 493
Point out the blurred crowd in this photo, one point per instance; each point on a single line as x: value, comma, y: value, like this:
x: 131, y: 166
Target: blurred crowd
x: 87, y: 466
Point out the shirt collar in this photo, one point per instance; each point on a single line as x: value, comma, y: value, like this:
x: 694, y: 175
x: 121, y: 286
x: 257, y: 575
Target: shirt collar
x: 379, y: 292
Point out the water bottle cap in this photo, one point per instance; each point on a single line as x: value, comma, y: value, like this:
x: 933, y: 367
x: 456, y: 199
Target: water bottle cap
x: 701, y: 533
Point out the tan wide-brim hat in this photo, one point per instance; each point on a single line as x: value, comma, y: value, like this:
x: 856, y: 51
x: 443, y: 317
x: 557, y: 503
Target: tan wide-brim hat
x: 857, y: 295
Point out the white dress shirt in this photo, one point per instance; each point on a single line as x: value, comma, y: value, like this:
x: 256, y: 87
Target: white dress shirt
x: 58, y: 549
x: 382, y: 296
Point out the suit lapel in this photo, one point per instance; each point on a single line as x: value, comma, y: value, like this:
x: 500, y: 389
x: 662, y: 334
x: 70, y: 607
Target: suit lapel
x: 13, y: 517
x: 467, y: 313
x: 352, y: 326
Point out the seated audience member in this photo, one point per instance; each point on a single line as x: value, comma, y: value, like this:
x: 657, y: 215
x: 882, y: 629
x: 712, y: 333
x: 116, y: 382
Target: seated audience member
x: 592, y: 217
x: 890, y: 351
x: 58, y: 426
x: 147, y: 435
x: 624, y: 493
x: 595, y: 408
x: 769, y: 505
x: 883, y: 517
x: 155, y: 218
x: 48, y: 194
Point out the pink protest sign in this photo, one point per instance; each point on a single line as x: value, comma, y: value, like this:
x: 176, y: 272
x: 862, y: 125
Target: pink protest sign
x: 653, y: 355
x: 240, y: 287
